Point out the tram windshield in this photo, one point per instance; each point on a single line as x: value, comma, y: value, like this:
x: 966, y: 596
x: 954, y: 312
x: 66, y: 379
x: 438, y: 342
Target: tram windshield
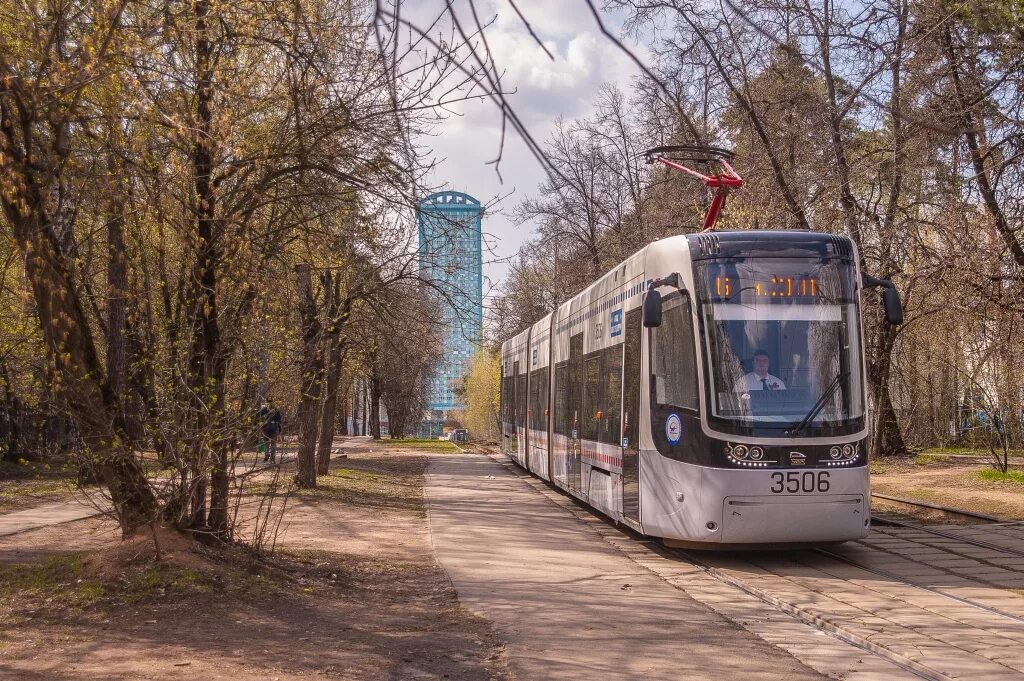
x: 782, y: 346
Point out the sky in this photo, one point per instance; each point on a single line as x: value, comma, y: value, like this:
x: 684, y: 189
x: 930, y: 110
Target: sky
x: 544, y: 90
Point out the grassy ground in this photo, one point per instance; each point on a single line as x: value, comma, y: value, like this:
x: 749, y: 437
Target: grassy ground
x: 965, y: 451
x: 363, y: 483
x: 26, y: 484
x: 67, y: 582
x: 431, y: 445
x: 1015, y: 477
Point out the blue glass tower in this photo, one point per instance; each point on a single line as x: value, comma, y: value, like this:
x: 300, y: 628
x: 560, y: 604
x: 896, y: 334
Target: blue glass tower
x: 450, y: 255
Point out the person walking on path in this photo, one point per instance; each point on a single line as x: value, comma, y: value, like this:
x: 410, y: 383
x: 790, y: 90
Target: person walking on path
x: 270, y: 418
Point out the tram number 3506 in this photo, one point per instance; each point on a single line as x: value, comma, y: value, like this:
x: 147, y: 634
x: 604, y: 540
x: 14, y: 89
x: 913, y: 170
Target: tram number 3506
x: 800, y: 481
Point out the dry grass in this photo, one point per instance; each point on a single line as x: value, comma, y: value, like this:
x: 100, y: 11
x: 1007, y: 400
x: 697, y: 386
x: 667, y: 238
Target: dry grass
x: 394, y: 485
x: 103, y: 581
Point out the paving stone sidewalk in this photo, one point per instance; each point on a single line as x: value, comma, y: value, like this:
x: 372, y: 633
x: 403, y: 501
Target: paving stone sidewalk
x: 574, y: 605
x: 950, y: 625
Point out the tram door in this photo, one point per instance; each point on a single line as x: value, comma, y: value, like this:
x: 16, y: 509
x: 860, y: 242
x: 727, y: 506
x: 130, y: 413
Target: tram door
x: 522, y: 389
x: 514, y: 410
x: 504, y: 408
x: 631, y: 418
x: 575, y: 410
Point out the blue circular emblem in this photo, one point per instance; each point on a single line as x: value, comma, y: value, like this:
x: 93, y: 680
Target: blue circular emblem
x: 673, y: 428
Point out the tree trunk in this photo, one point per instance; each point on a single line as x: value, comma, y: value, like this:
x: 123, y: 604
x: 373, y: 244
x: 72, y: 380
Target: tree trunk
x: 330, y: 405
x: 11, y: 416
x: 375, y: 408
x: 968, y: 93
x: 208, y: 365
x: 886, y: 438
x: 66, y: 331
x: 835, y: 120
x: 362, y: 397
x: 312, y: 380
x: 117, y: 285
x: 344, y: 414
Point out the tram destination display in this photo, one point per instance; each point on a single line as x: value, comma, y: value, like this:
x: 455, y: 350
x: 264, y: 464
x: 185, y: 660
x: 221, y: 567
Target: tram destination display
x: 776, y: 286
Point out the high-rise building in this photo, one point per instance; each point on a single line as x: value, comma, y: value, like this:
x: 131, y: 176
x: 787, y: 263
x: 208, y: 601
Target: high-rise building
x: 450, y: 255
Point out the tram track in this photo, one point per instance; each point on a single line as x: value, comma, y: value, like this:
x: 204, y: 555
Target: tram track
x: 883, y: 520
x: 769, y: 581
x: 897, y: 578
x: 991, y: 620
x: 971, y: 517
x: 947, y: 535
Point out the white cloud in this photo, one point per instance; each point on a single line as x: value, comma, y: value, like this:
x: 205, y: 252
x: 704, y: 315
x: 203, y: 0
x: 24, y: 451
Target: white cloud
x: 544, y: 90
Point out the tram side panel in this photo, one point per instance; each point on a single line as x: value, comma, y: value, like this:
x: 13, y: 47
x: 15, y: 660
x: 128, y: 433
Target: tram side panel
x: 522, y: 395
x: 505, y: 403
x: 604, y: 443
x: 671, y: 494
x: 538, y: 408
x: 589, y: 359
x: 514, y: 395
x: 567, y: 366
x: 505, y: 399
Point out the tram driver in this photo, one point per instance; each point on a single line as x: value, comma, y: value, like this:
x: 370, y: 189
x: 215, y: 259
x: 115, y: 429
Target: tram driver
x: 759, y: 378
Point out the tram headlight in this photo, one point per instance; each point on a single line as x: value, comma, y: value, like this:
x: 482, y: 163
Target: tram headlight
x: 756, y: 453
x: 740, y: 452
x: 849, y: 451
x: 835, y: 453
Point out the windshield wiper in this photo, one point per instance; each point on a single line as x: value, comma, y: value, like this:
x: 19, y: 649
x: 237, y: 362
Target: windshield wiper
x: 820, y: 404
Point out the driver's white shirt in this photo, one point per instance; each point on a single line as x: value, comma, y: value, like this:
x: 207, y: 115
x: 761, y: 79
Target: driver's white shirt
x: 752, y: 381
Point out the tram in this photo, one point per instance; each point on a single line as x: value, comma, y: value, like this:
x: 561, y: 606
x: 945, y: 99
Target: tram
x: 710, y: 391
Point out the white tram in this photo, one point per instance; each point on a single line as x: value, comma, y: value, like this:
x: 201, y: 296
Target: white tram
x: 709, y: 390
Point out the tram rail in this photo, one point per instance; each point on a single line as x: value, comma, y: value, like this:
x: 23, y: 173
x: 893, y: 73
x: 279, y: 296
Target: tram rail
x: 760, y: 580
x: 884, y: 520
x: 888, y: 575
x: 971, y: 517
x: 947, y: 535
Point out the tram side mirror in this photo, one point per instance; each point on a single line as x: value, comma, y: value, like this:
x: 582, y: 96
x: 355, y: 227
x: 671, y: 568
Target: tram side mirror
x: 652, y: 309
x: 890, y: 298
x: 893, y: 305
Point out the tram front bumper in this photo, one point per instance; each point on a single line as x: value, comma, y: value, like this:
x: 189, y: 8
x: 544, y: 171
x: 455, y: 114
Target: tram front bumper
x: 794, y: 518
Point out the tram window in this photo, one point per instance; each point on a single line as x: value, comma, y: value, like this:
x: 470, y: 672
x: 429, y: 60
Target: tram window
x: 521, y: 401
x: 504, y: 399
x: 544, y: 405
x: 510, y: 405
x: 562, y: 398
x: 673, y: 365
x: 531, y: 401
x: 575, y: 385
x: 538, y: 399
x: 611, y: 395
x: 591, y: 395
x: 510, y: 414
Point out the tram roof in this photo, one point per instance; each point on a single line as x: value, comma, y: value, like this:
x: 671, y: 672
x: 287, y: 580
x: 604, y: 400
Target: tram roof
x: 721, y: 244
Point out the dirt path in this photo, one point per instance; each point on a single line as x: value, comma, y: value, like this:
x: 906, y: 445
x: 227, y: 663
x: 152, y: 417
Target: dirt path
x: 354, y: 593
